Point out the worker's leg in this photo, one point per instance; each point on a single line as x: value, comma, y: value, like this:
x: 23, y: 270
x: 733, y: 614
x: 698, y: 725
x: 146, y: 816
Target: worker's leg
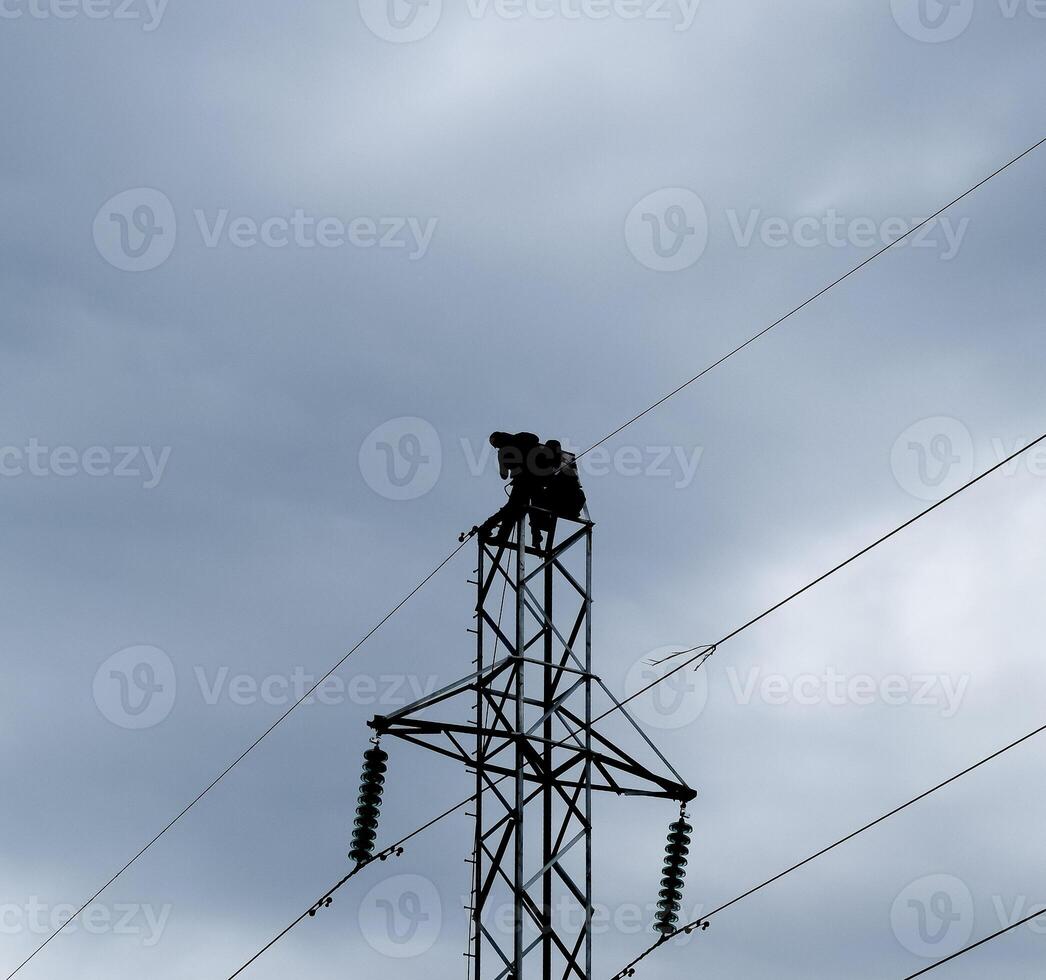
x: 551, y: 532
x: 510, y: 514
x: 535, y: 534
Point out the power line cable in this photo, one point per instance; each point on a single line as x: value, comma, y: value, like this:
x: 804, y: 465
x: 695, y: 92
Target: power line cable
x: 629, y: 970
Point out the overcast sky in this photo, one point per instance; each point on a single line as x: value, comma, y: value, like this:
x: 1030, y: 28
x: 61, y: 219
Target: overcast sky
x: 272, y: 272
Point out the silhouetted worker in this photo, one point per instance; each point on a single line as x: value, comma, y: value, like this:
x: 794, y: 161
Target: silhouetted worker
x: 523, y: 458
x: 542, y: 476
x: 561, y: 493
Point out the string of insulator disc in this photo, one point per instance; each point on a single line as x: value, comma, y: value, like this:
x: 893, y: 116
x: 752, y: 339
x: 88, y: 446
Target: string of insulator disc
x: 671, y: 894
x: 372, y: 785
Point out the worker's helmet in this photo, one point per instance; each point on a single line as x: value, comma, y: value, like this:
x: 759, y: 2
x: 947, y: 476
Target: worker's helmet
x: 499, y: 439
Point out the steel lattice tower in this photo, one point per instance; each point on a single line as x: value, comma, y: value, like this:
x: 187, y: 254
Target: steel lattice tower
x: 535, y: 755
